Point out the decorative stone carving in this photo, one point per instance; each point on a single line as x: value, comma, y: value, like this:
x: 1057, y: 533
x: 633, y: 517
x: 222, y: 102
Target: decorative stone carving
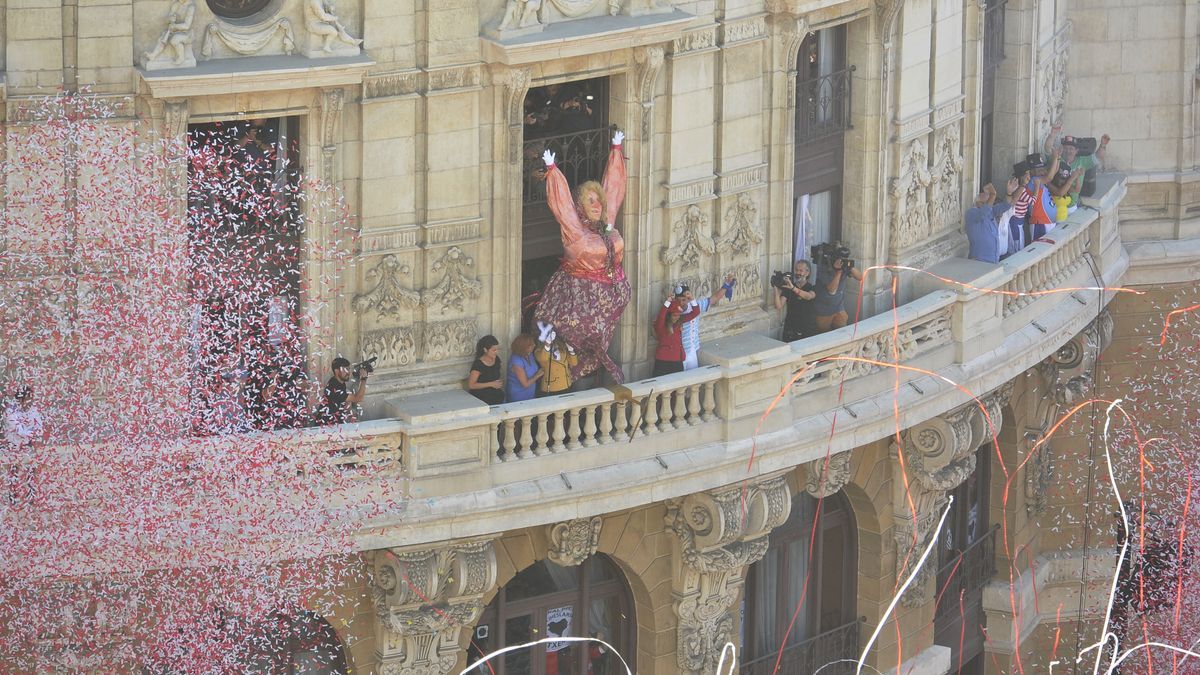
x: 1039, y: 470
x: 516, y: 85
x: 573, y: 9
x: 912, y: 535
x: 823, y: 478
x: 741, y: 230
x: 332, y: 102
x: 174, y: 46
x: 946, y: 187
x: 448, y: 339
x: 1052, y: 89
x: 395, y: 347
x: 574, y: 541
x: 248, y: 42
x: 649, y: 64
x: 748, y: 283
x: 327, y: 36
x: 1068, y: 372
x: 520, y: 18
x: 455, y: 286
x: 691, y: 239
x: 720, y: 532
x: 424, y: 598
x: 909, y: 193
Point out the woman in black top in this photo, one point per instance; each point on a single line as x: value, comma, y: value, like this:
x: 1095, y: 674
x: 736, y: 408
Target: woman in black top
x: 484, y: 382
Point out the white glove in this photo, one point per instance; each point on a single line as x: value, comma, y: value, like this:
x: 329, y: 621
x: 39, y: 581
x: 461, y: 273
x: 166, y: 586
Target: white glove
x: 548, y: 158
x: 668, y: 303
x: 618, y: 137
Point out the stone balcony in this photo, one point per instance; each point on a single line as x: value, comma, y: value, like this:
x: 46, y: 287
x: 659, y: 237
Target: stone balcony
x: 756, y: 406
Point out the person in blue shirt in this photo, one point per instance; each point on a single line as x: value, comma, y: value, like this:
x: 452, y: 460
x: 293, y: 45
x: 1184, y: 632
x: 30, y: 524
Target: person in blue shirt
x: 523, y: 370
x: 988, y: 238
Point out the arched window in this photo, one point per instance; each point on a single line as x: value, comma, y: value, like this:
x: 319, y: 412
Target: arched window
x: 295, y: 644
x: 547, y: 600
x: 824, y: 625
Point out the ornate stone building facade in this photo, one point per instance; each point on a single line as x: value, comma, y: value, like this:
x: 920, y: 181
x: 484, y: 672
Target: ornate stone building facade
x: 663, y: 497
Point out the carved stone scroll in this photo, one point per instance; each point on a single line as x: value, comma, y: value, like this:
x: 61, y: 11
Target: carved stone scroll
x: 742, y: 227
x: 388, y: 298
x: 827, y: 478
x: 719, y: 535
x: 649, y: 64
x: 574, y: 541
x: 424, y: 598
x: 691, y: 239
x: 455, y: 286
x: 909, y: 194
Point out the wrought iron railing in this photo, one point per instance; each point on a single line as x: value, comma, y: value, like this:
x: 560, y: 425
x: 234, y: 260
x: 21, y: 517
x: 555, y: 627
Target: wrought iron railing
x: 966, y: 574
x: 579, y: 155
x: 993, y: 35
x: 835, y: 649
x: 823, y: 106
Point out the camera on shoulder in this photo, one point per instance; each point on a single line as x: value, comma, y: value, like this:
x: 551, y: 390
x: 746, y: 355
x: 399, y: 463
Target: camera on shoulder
x: 367, y: 366
x: 826, y: 254
x: 781, y: 279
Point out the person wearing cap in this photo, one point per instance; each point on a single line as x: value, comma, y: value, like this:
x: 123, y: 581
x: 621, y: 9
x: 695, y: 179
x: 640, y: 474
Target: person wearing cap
x: 1040, y: 218
x: 669, y: 356
x: 690, y: 331
x: 24, y: 429
x: 795, y: 299
x: 1074, y: 162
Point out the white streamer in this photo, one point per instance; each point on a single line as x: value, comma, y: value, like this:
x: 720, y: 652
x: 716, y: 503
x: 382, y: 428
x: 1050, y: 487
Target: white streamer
x: 513, y: 648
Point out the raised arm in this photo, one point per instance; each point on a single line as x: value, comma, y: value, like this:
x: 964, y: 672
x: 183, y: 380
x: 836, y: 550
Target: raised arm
x: 562, y: 204
x: 615, y: 177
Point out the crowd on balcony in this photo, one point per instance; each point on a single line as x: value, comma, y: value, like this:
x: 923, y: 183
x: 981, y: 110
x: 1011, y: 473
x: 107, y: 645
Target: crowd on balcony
x: 1040, y: 194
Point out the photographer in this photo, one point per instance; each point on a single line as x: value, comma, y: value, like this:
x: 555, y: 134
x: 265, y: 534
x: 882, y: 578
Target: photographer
x: 795, y: 294
x: 336, y: 408
x: 832, y: 269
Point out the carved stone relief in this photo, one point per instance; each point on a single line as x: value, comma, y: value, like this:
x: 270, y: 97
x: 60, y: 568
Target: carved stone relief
x: 691, y: 239
x: 395, y: 347
x: 946, y: 180
x: 749, y: 282
x: 388, y: 298
x: 1052, y: 90
x: 1068, y: 372
x: 720, y: 532
x: 448, y: 339
x: 911, y: 534
x: 741, y: 227
x: 424, y: 598
x: 247, y: 41
x: 327, y: 36
x: 455, y: 286
x: 825, y: 478
x: 649, y: 64
x: 574, y: 541
x: 909, y: 193
x: 174, y: 46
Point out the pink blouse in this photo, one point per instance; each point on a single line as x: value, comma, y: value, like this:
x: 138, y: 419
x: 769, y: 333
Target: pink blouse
x: 585, y: 252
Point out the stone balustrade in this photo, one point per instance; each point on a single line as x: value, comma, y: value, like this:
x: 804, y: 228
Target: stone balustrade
x: 472, y: 468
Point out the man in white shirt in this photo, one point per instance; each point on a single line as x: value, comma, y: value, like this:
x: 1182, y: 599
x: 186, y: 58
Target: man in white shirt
x: 690, y: 333
x: 23, y: 429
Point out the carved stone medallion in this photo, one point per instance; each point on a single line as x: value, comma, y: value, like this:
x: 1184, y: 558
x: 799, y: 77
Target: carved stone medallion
x: 237, y: 9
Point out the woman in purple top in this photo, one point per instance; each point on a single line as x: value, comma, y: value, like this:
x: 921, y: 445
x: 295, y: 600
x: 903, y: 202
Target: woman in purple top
x: 523, y: 370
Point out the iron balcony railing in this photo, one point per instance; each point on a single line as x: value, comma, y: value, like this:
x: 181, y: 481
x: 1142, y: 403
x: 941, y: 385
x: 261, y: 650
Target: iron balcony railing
x: 823, y: 106
x: 579, y: 155
x: 835, y: 649
x: 965, y: 575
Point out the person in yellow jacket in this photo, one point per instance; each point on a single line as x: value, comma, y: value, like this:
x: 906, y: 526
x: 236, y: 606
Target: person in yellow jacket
x: 556, y: 358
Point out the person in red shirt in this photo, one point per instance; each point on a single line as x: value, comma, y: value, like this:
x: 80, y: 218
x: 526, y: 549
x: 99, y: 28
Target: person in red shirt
x: 669, y: 356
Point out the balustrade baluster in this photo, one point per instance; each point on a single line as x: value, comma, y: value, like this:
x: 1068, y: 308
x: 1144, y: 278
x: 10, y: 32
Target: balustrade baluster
x: 603, y: 437
x: 708, y: 402
x: 693, y: 404
x: 543, y: 435
x: 650, y: 403
x: 589, y: 426
x: 676, y: 398
x: 526, y: 444
x: 510, y: 440
x: 621, y: 421
x: 573, y: 427
x: 557, y: 431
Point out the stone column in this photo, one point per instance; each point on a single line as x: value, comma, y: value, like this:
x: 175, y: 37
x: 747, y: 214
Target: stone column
x: 937, y: 456
x: 512, y: 85
x: 424, y: 598
x: 720, y: 533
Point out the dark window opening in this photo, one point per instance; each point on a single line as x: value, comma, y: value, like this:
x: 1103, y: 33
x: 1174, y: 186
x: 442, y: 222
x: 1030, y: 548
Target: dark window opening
x: 815, y: 624
x: 245, y: 233
x: 300, y: 644
x: 570, y: 120
x: 547, y: 600
x: 993, y: 56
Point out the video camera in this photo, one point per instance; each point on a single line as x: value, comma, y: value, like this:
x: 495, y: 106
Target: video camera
x: 367, y: 366
x: 781, y: 279
x: 825, y: 255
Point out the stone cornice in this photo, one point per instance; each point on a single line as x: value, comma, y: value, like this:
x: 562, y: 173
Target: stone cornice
x: 255, y: 74
x: 584, y: 37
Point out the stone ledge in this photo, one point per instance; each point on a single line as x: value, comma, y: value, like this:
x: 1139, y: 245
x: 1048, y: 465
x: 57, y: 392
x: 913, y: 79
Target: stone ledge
x: 584, y: 37
x: 255, y: 74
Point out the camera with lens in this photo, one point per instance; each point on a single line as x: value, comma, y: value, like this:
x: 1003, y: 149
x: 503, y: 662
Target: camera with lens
x: 825, y: 255
x: 781, y: 279
x: 367, y: 366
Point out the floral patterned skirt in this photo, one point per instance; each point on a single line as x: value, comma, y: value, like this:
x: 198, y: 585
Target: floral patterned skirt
x: 585, y: 314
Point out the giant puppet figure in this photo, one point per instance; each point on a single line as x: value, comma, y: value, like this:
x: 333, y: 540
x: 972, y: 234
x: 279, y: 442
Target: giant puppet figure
x: 587, y: 295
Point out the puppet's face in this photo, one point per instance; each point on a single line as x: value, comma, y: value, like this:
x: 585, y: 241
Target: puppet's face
x: 591, y: 205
